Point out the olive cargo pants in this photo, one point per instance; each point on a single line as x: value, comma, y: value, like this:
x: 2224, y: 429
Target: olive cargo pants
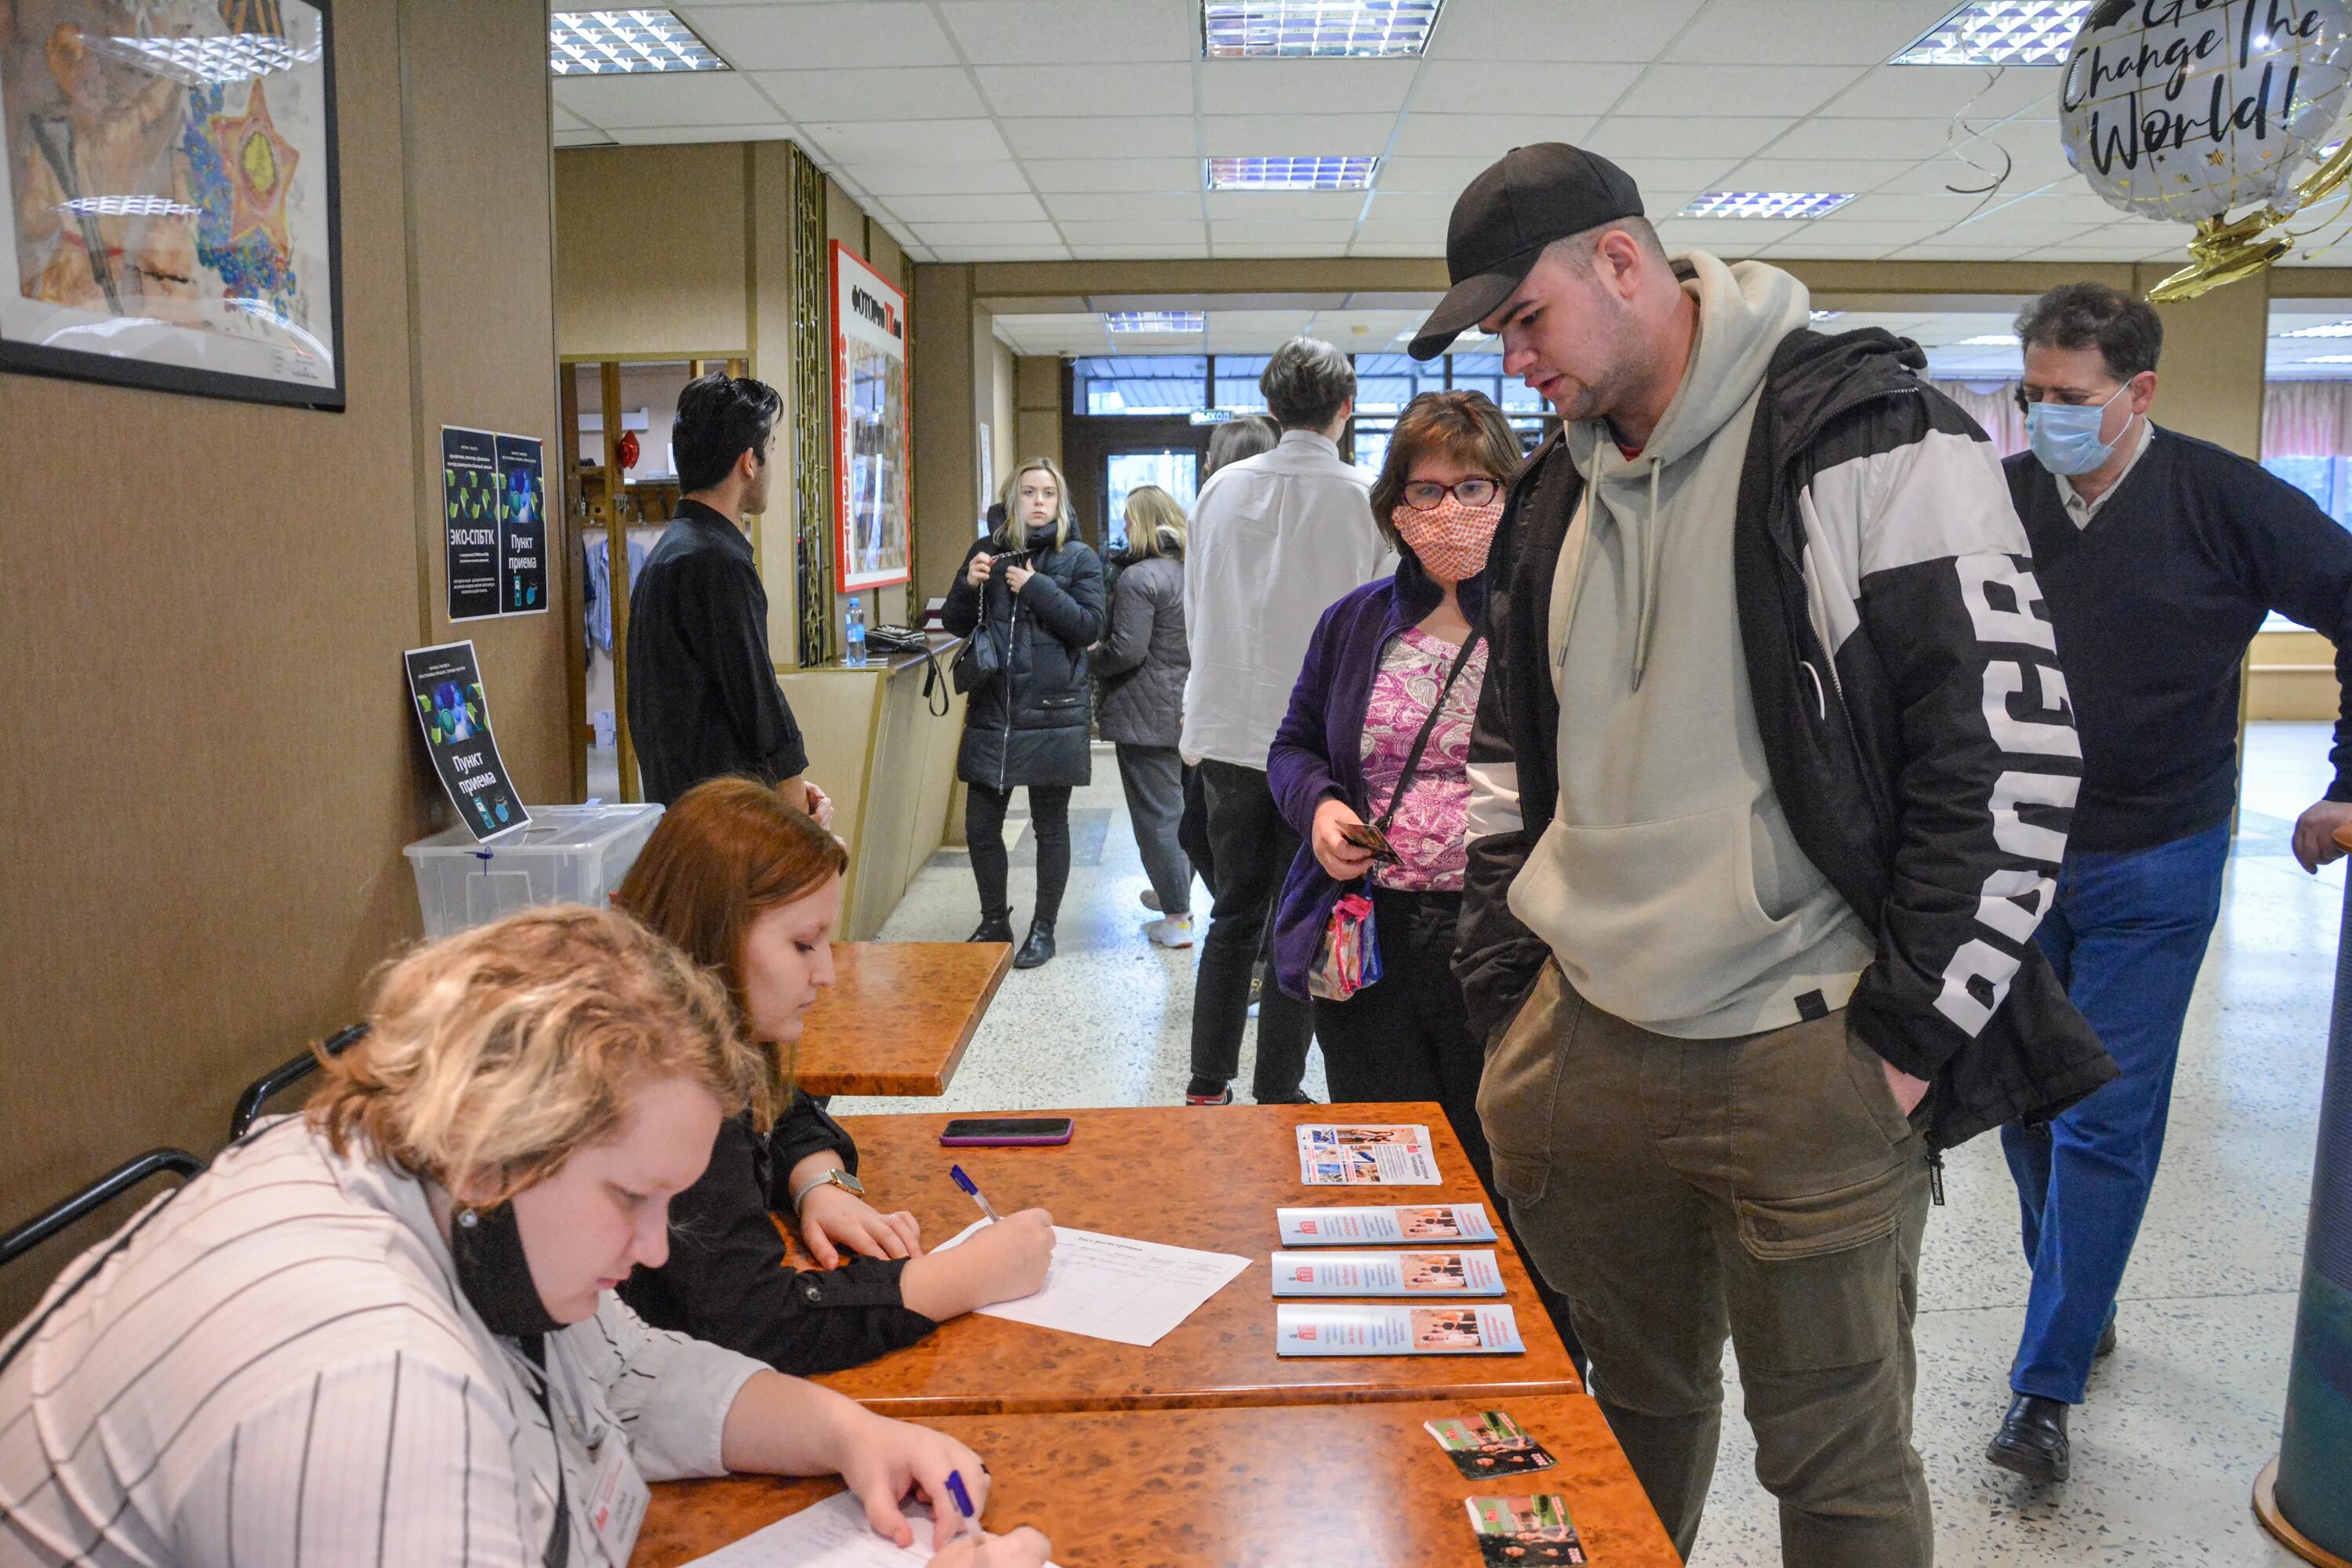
x: 1764, y: 1187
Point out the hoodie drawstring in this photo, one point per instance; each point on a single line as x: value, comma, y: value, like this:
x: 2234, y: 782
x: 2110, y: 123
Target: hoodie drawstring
x: 1652, y: 564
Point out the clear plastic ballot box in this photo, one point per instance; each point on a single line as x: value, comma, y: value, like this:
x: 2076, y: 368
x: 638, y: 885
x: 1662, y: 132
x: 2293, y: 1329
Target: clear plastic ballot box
x: 569, y: 855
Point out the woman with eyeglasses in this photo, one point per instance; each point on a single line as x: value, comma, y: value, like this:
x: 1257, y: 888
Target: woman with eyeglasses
x: 1386, y: 697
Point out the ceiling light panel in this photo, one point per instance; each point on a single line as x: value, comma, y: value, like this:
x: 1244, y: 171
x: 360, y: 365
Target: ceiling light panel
x: 1155, y: 321
x: 1334, y: 29
x: 2328, y: 359
x: 2000, y: 33
x: 625, y: 43
x: 1349, y: 174
x: 2331, y: 329
x: 1765, y: 203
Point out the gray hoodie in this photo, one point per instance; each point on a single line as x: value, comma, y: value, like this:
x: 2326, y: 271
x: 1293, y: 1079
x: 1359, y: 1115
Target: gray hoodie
x: 1668, y: 885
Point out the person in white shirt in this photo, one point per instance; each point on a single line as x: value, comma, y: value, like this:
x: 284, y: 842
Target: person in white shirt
x: 384, y: 1331
x: 1275, y: 538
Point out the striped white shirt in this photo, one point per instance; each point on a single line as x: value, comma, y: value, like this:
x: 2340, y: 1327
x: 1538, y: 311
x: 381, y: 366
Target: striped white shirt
x: 280, y: 1370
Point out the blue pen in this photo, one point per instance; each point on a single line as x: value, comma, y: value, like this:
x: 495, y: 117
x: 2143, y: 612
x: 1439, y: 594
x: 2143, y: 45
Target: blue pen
x: 963, y: 1503
x: 965, y: 1183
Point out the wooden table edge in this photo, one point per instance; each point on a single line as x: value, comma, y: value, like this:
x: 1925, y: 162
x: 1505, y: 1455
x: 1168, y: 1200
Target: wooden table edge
x: 930, y: 1084
x: 927, y: 1407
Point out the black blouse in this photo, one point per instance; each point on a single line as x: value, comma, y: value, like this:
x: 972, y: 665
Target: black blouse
x: 726, y: 1280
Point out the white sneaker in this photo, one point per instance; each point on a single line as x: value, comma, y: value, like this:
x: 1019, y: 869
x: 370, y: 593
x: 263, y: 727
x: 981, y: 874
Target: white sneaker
x: 1150, y: 899
x: 1176, y: 930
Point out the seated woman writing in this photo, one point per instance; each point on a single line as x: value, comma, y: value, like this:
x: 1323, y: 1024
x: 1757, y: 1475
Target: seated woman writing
x: 750, y: 888
x: 384, y: 1331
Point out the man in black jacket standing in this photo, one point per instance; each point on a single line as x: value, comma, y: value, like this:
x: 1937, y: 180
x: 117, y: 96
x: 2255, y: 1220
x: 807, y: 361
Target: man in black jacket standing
x: 1770, y: 780
x: 2160, y: 556
x: 703, y: 698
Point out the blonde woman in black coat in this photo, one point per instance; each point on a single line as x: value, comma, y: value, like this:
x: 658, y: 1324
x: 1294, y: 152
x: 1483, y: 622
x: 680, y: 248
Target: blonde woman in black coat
x: 1033, y: 594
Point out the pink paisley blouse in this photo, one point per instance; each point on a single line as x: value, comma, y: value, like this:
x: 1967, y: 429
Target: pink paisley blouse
x: 1427, y: 831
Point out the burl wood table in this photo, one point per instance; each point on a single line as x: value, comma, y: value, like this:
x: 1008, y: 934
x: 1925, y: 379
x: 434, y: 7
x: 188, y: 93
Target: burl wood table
x: 1359, y: 1484
x: 899, y: 1016
x: 1206, y: 1178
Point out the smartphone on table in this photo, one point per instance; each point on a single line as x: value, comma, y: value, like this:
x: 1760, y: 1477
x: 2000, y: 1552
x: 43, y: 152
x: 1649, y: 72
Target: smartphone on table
x: 1004, y: 1132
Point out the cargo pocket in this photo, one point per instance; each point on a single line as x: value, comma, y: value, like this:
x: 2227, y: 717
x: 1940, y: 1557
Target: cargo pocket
x: 1823, y: 1285
x: 1518, y: 1092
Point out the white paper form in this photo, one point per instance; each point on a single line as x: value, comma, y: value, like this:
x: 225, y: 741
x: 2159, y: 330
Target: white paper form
x: 832, y: 1534
x: 1114, y: 1287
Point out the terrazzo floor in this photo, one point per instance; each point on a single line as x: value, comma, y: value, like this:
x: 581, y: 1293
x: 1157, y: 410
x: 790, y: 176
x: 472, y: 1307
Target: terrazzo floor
x: 2178, y: 1423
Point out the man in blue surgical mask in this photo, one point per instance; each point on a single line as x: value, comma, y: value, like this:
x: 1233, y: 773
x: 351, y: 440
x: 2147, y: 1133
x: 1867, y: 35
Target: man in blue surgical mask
x: 2159, y: 556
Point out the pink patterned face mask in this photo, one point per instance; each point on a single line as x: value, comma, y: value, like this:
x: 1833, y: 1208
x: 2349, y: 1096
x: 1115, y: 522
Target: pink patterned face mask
x: 1451, y: 539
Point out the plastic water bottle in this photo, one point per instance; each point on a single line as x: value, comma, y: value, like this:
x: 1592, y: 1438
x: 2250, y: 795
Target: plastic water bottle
x: 852, y: 635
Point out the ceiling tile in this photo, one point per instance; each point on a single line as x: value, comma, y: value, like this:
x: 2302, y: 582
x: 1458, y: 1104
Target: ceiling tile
x: 567, y: 120
x: 1112, y: 206
x: 1001, y: 207
x: 942, y: 235
x: 910, y: 92
x: 1113, y: 92
x: 1831, y: 252
x: 1306, y: 86
x: 1400, y: 240
x: 1867, y: 235
x: 1557, y: 29
x: 1136, y: 231
x: 1138, y: 252
x: 1296, y: 135
x: 650, y: 135
x: 1145, y: 136
x: 1484, y: 137
x: 1881, y: 206
x: 702, y: 98
x: 1441, y: 176
x: 1939, y: 92
x: 1621, y: 137
x: 945, y: 142
x: 1116, y: 175
x: 1223, y: 229
x: 823, y: 37
x: 1877, y: 138
x: 1661, y: 177
x: 1415, y: 206
x: 1814, y: 174
x: 1784, y: 90
x: 1521, y: 87
x: 1077, y: 32
x: 1283, y: 206
x: 1805, y: 32
x: 899, y: 178
x: 1730, y: 235
x: 1280, y: 249
x: 962, y: 253
x: 586, y: 136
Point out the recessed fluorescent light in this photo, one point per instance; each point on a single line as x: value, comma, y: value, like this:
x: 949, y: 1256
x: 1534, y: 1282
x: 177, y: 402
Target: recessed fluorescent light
x: 2002, y: 33
x: 1825, y: 315
x: 1350, y: 173
x: 1240, y: 29
x: 1154, y: 321
x: 1990, y: 341
x: 625, y: 43
x: 1765, y: 203
x: 2331, y: 329
x: 2328, y: 359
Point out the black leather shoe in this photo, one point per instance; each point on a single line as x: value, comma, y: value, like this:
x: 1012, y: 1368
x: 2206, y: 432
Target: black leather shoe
x: 998, y: 930
x: 2107, y: 1341
x: 2032, y: 1440
x: 1038, y: 948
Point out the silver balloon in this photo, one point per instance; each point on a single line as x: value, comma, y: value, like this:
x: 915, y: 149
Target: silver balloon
x: 2190, y: 108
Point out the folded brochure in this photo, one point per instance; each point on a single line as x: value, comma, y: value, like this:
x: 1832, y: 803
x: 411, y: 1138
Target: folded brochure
x: 1386, y: 1274
x: 1489, y: 1444
x: 1318, y: 1329
x: 1521, y: 1531
x: 1376, y: 1228
x: 1335, y: 1156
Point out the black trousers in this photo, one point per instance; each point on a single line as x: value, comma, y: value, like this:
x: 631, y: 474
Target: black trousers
x: 983, y: 830
x: 1408, y: 1037
x: 1193, y: 830
x: 1252, y: 847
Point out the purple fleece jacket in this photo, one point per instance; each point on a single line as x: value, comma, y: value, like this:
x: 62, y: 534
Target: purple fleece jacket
x: 1318, y: 752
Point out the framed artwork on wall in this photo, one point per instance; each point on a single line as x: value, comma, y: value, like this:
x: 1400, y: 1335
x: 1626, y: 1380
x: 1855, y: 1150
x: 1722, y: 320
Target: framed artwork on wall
x: 873, y: 511
x: 170, y: 170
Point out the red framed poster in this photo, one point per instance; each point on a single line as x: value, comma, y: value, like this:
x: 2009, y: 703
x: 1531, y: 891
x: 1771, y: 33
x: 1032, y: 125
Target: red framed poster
x: 873, y: 507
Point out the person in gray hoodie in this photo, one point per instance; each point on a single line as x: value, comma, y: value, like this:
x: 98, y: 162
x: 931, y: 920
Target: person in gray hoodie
x: 1771, y: 769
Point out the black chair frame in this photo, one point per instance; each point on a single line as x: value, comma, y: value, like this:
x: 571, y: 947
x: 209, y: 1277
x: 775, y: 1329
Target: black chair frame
x: 96, y: 1195
x: 261, y: 1090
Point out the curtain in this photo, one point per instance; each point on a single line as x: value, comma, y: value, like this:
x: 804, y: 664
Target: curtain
x: 2307, y: 418
x: 1993, y: 404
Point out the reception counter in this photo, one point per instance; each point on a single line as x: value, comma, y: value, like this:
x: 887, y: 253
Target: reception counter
x: 876, y: 746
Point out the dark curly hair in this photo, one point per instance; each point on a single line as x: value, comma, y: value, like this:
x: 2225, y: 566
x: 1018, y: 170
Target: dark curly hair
x: 2125, y: 328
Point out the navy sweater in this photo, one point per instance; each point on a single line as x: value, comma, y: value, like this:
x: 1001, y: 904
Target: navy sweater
x: 2154, y: 604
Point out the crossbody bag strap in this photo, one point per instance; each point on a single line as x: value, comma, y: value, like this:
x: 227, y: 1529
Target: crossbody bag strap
x: 1421, y: 742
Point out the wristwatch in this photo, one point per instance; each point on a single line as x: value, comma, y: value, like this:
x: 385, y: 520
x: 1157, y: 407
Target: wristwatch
x: 836, y: 1177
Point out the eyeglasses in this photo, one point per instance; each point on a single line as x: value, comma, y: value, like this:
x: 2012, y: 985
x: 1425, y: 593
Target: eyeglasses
x: 1428, y: 495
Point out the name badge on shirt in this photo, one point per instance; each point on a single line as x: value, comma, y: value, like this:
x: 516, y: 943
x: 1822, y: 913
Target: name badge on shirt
x: 617, y: 1500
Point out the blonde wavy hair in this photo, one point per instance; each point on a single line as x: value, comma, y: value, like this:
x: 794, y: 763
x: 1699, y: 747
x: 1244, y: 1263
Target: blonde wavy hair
x: 1013, y: 533
x: 1155, y: 524
x: 494, y: 1055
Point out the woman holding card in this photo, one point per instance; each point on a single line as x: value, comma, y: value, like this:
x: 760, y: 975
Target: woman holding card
x: 749, y: 887
x: 385, y: 1330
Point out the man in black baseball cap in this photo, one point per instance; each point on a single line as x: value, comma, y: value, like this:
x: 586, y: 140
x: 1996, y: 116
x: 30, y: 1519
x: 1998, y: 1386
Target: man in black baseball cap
x: 1746, y: 782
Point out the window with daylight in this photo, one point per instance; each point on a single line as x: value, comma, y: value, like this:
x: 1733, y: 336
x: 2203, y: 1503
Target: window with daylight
x: 1141, y: 383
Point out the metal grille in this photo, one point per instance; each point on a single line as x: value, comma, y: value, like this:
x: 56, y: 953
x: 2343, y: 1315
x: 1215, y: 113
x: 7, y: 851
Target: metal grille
x: 812, y: 415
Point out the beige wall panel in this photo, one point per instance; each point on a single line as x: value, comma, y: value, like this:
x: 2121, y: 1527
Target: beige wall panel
x: 211, y: 764
x: 649, y: 250
x: 769, y: 248
x: 2213, y: 351
x: 1037, y: 388
x: 2292, y: 676
x: 946, y: 423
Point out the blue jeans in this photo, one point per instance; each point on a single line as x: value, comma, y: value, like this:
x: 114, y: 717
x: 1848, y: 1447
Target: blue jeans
x: 2125, y: 936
